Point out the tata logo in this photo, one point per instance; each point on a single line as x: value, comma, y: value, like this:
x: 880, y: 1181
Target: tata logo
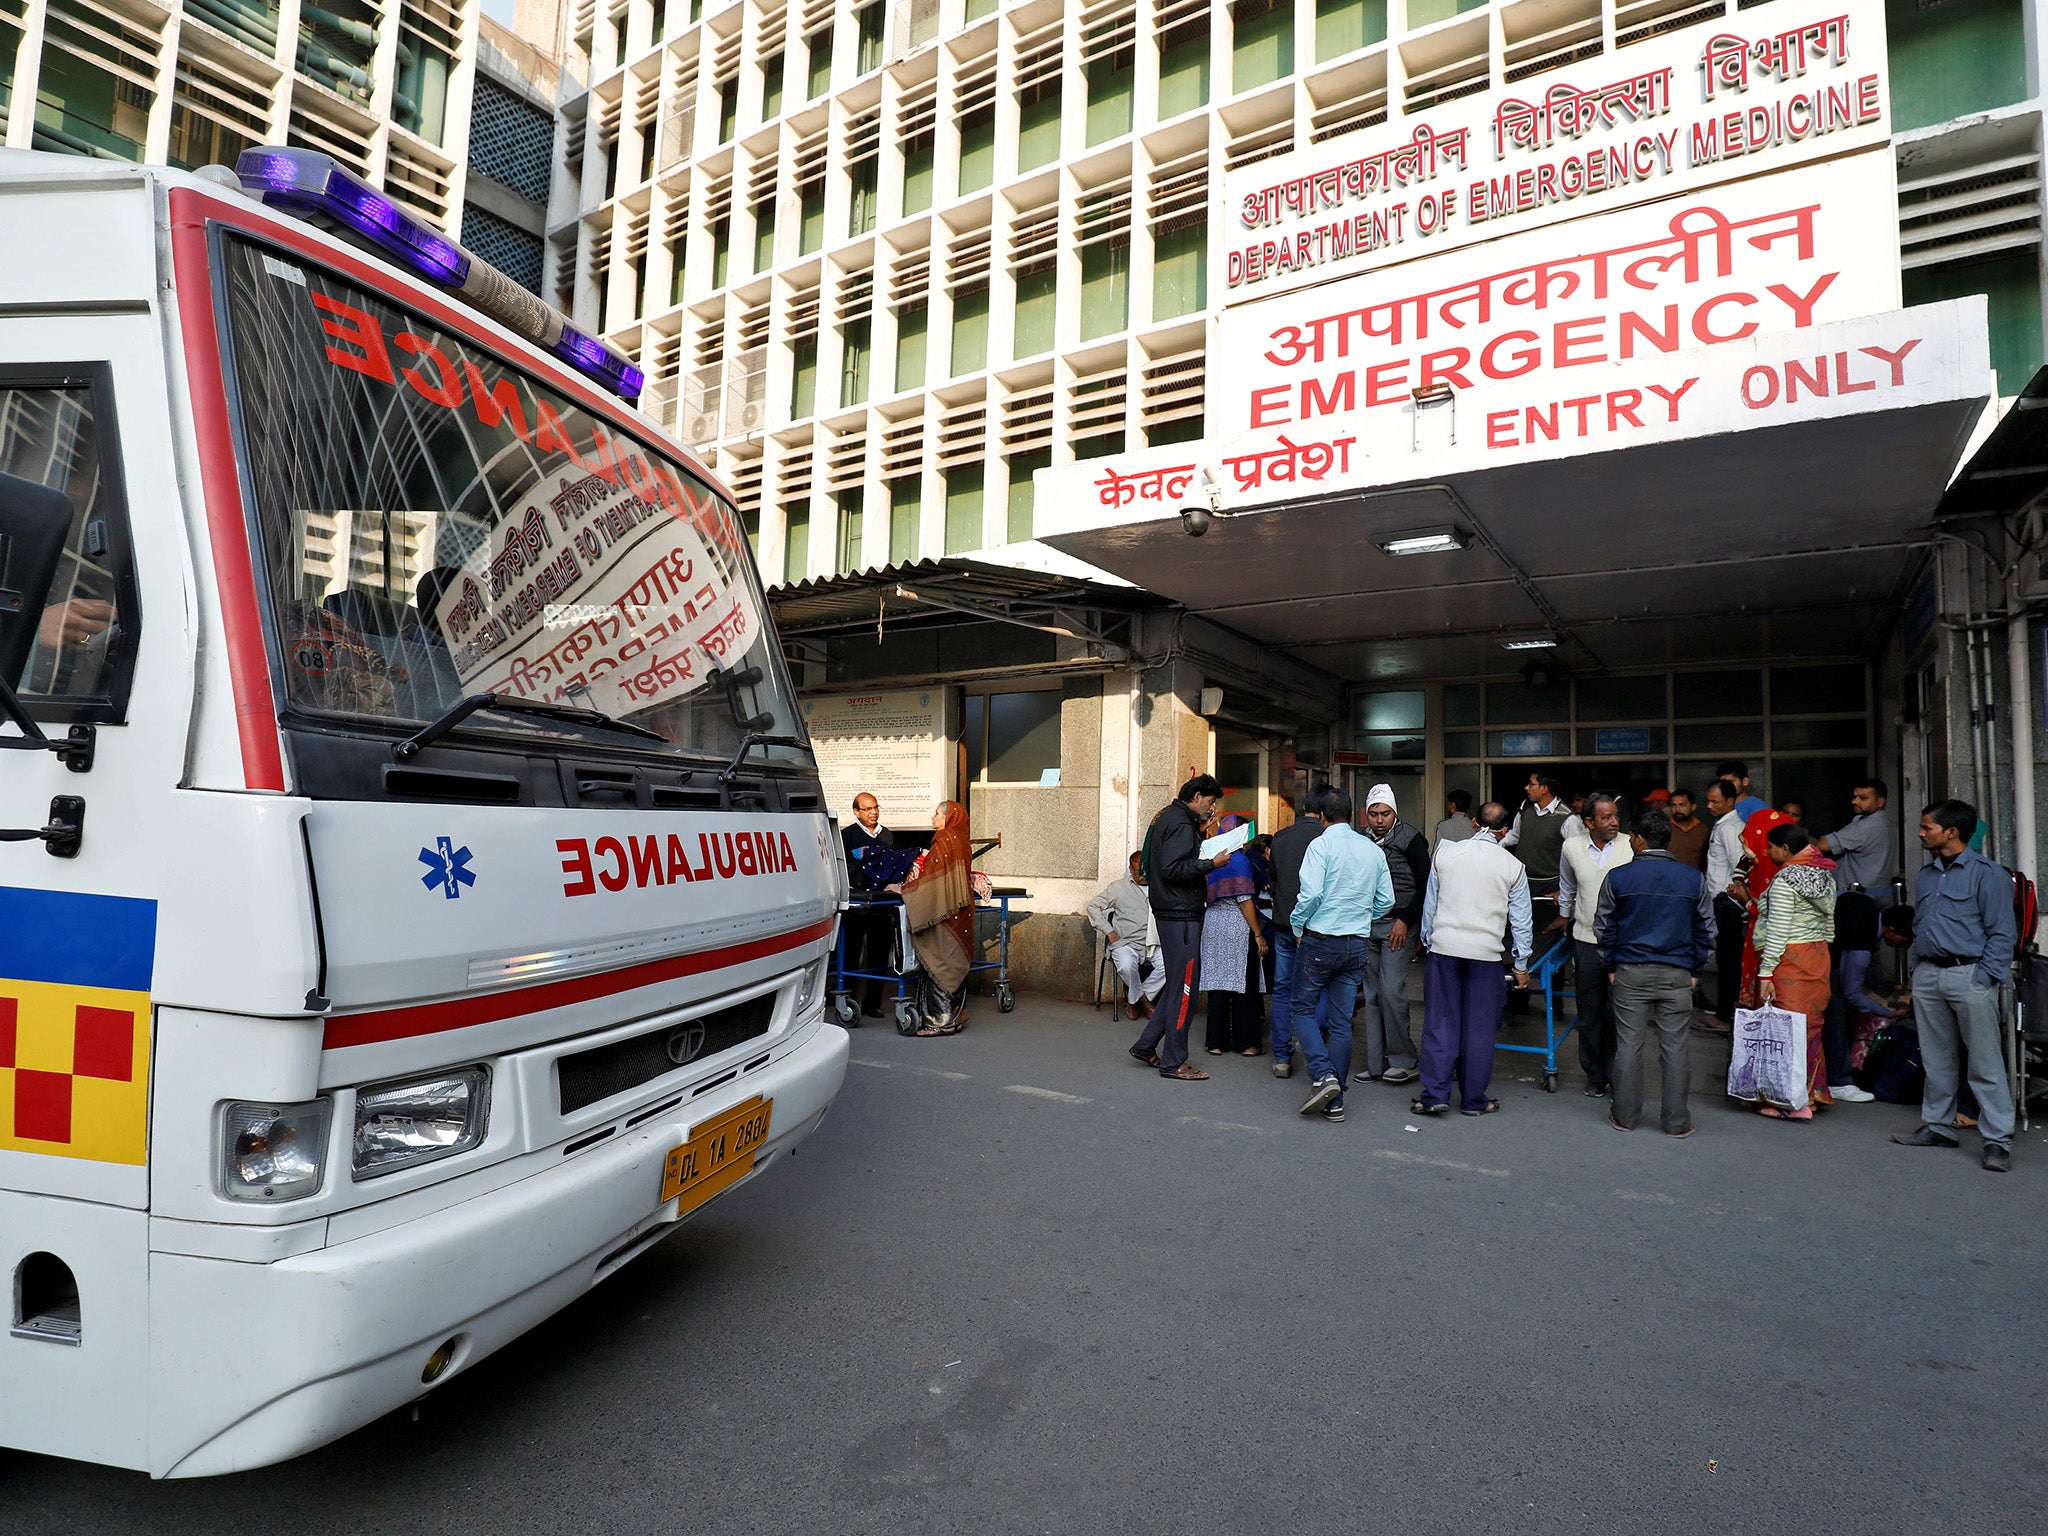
x: 685, y: 1043
x: 448, y: 868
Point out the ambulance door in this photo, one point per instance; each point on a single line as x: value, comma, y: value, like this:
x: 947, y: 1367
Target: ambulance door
x: 95, y: 642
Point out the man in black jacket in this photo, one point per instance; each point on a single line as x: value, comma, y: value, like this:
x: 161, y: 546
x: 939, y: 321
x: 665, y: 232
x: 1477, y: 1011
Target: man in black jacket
x: 1177, y: 883
x: 867, y: 933
x: 1290, y: 846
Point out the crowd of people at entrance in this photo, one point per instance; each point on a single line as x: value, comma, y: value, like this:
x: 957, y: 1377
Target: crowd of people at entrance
x: 1309, y: 937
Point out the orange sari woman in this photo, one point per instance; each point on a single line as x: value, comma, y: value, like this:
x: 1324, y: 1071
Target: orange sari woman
x: 1759, y: 871
x: 938, y: 901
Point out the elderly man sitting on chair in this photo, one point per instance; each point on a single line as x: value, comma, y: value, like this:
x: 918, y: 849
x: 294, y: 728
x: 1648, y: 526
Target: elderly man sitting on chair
x: 1123, y: 916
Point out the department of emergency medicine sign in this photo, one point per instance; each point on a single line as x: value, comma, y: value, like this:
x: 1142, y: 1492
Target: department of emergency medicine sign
x: 74, y: 1024
x: 1732, y: 97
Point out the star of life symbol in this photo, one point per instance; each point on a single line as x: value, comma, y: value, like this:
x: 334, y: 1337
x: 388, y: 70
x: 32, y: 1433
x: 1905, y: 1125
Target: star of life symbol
x: 448, y: 868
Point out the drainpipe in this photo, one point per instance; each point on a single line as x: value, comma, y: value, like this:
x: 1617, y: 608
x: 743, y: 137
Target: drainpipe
x: 2019, y: 663
x: 1134, y: 759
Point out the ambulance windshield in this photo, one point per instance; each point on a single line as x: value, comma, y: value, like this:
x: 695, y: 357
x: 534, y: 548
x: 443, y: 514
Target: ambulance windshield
x: 436, y: 524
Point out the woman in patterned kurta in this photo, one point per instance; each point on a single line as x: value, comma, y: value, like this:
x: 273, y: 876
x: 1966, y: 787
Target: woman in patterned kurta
x: 1794, y: 927
x: 1232, y: 946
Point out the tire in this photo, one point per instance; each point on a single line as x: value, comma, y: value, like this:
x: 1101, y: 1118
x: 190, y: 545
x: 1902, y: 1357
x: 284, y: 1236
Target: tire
x: 906, y: 1017
x: 1006, y: 998
x: 846, y: 1010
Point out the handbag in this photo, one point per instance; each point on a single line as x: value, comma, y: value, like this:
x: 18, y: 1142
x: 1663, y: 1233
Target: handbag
x: 1768, y: 1064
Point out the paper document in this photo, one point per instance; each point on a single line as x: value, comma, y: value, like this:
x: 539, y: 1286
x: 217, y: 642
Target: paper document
x: 1228, y: 842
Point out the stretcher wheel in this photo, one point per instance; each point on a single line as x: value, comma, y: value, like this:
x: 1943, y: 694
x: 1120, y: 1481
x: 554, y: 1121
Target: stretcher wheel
x: 906, y: 1017
x: 1550, y: 1082
x: 1006, y: 997
x: 846, y: 1010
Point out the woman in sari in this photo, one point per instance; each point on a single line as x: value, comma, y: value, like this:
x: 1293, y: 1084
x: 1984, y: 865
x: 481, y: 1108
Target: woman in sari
x: 1795, y: 928
x: 1758, y: 870
x: 1233, y: 949
x: 938, y: 902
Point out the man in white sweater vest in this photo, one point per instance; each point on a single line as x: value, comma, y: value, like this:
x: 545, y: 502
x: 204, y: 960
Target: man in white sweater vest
x: 1477, y: 889
x: 1582, y: 869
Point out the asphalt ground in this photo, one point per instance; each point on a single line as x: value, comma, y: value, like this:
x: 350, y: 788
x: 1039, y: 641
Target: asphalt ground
x: 1019, y: 1284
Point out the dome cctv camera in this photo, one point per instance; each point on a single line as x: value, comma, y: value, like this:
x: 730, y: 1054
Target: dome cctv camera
x: 1196, y: 520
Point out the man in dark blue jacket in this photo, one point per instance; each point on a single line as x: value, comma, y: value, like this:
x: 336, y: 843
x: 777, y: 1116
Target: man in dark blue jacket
x: 1655, y: 929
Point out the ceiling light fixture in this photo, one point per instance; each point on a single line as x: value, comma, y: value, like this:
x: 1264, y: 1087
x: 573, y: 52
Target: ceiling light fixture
x: 1425, y: 541
x: 1530, y: 643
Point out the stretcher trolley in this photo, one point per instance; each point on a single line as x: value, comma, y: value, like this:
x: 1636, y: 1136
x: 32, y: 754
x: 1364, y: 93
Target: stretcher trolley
x: 1545, y: 972
x: 846, y: 1007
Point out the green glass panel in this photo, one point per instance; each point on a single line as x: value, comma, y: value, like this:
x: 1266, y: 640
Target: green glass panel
x: 2011, y: 282
x: 818, y: 64
x: 977, y: 151
x: 1110, y: 82
x: 861, y: 217
x: 750, y: 519
x: 728, y: 108
x: 1022, y: 467
x: 976, y: 9
x: 1343, y: 26
x: 803, y: 389
x: 1423, y: 13
x: 1186, y: 430
x: 721, y: 251
x: 764, y: 237
x: 1262, y: 43
x: 1960, y: 57
x: 810, y: 225
x: 1099, y: 446
x: 963, y: 507
x: 869, y: 53
x: 919, y: 173
x: 1183, y: 70
x: 1038, y: 127
x: 796, y: 551
x: 853, y: 369
x: 1180, y: 268
x: 912, y: 327
x: 1105, y: 287
x: 677, y: 250
x: 904, y: 496
x: 1037, y: 295
x: 771, y: 88
x: 969, y: 352
x: 850, y: 529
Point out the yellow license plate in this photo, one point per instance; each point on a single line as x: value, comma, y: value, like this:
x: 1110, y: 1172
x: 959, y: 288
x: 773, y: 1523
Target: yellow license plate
x: 718, y: 1156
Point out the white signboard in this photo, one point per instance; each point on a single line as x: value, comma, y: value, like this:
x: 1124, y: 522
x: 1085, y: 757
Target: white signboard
x: 1920, y: 356
x: 1729, y: 98
x: 1775, y: 253
x: 892, y: 745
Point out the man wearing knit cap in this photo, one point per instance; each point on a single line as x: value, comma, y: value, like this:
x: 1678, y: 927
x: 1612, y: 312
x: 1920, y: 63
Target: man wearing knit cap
x: 1389, y: 1048
x: 1477, y: 890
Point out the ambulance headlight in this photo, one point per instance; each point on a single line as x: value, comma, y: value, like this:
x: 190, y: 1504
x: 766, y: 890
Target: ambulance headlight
x: 807, y: 987
x: 400, y: 1124
x: 273, y: 1151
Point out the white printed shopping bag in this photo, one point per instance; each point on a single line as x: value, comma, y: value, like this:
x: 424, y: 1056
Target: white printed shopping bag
x: 1769, y: 1064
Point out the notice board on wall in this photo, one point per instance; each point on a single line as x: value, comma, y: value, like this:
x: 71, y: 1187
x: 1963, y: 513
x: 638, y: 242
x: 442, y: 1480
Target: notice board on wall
x: 894, y: 745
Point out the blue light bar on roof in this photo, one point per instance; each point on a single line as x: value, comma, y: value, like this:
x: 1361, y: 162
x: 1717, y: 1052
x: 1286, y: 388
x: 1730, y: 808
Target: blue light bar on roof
x: 307, y: 183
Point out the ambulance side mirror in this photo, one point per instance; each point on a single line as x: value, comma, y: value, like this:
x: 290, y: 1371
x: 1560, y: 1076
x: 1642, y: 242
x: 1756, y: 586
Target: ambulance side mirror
x: 34, y: 521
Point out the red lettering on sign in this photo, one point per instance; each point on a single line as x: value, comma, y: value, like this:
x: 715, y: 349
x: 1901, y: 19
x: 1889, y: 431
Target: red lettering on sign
x: 678, y: 861
x: 496, y: 402
x: 360, y: 331
x: 646, y: 861
x: 449, y: 391
x: 575, y: 854
x: 611, y: 848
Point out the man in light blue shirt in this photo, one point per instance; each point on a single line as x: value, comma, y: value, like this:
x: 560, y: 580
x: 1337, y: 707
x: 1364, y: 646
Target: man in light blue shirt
x: 1345, y: 888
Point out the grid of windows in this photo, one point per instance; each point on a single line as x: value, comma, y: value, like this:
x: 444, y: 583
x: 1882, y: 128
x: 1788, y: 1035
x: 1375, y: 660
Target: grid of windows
x: 1032, y: 189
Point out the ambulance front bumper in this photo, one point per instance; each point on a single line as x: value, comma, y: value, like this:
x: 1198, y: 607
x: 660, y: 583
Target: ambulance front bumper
x: 267, y: 1361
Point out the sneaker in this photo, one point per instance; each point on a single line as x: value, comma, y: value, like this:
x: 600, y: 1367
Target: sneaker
x: 1363, y: 1076
x: 1849, y: 1093
x: 1926, y: 1136
x: 1997, y: 1158
x: 1335, y: 1112
x: 1283, y: 1069
x: 1326, y: 1089
x: 1399, y: 1075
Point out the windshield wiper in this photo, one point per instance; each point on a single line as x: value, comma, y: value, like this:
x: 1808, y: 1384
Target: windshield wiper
x: 747, y: 744
x: 420, y: 740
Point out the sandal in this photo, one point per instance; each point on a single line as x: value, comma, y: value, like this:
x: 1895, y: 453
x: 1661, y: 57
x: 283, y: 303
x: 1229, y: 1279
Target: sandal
x: 1186, y: 1074
x: 1419, y: 1107
x: 1145, y: 1058
x: 928, y: 1032
x: 1490, y: 1107
x: 1254, y: 1051
x: 1215, y: 1051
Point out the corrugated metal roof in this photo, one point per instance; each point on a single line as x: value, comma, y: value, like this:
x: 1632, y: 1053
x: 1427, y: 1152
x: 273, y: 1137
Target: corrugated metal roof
x: 826, y: 603
x: 2010, y: 467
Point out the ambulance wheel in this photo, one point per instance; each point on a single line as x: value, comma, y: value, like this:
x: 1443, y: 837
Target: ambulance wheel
x: 906, y: 1017
x: 1550, y: 1082
x: 1006, y: 997
x: 846, y: 1010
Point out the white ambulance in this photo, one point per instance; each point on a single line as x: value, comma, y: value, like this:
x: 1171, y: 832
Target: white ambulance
x: 415, y: 888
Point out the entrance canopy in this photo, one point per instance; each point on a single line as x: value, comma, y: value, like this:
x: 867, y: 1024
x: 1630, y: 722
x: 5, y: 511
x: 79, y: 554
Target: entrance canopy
x: 1761, y: 498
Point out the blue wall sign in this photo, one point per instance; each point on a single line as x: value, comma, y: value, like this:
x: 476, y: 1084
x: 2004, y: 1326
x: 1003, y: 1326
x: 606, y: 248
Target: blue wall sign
x: 1526, y: 743
x: 1622, y: 741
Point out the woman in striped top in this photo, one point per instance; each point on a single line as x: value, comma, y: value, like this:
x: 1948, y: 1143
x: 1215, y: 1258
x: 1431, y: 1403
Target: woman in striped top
x: 1794, y: 927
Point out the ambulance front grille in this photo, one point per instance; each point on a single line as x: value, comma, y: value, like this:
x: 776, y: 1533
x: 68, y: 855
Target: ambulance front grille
x: 589, y: 1077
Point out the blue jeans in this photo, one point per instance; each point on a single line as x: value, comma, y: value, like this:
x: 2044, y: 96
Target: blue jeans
x: 1285, y: 966
x: 1328, y: 971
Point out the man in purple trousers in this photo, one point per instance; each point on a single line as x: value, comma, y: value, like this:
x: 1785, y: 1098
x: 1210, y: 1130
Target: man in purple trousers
x: 1477, y: 891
